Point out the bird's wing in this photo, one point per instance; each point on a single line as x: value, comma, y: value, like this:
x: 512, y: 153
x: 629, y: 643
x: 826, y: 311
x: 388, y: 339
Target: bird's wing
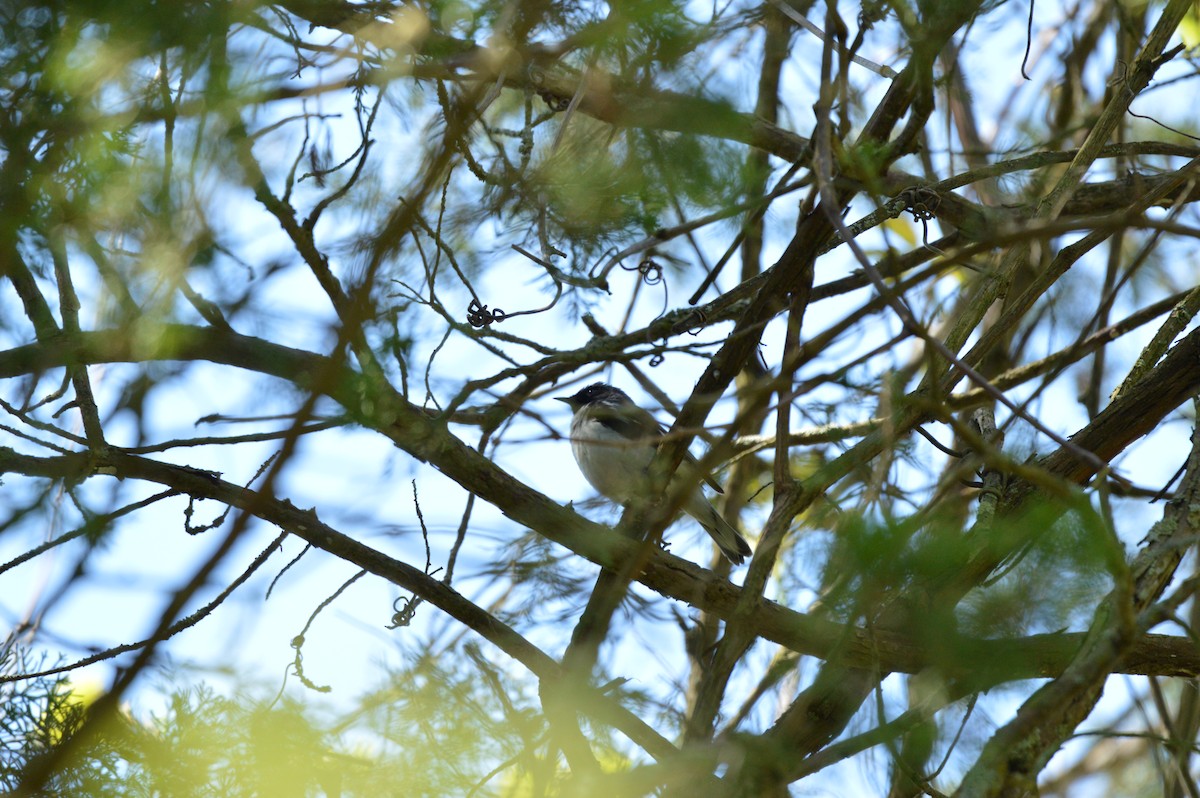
x: 631, y: 422
x: 636, y: 424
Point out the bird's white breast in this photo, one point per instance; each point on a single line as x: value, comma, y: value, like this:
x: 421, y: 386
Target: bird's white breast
x: 610, y: 463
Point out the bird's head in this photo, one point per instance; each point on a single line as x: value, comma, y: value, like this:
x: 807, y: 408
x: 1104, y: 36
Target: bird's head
x: 598, y: 393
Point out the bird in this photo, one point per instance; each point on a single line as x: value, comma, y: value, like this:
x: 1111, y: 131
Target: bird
x: 614, y: 440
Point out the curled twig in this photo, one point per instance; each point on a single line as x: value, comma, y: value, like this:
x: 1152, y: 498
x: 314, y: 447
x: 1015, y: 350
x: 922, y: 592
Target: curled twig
x: 403, y: 615
x: 650, y: 270
x: 921, y: 201
x: 478, y: 314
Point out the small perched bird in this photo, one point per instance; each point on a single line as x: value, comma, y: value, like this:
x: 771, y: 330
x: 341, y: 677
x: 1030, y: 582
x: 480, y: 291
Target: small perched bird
x: 614, y: 440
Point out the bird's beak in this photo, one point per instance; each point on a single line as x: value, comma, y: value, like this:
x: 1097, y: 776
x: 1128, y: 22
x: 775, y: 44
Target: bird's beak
x: 566, y: 399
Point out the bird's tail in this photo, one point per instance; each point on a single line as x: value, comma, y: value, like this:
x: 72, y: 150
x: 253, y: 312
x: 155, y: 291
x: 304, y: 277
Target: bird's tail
x: 728, y: 540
